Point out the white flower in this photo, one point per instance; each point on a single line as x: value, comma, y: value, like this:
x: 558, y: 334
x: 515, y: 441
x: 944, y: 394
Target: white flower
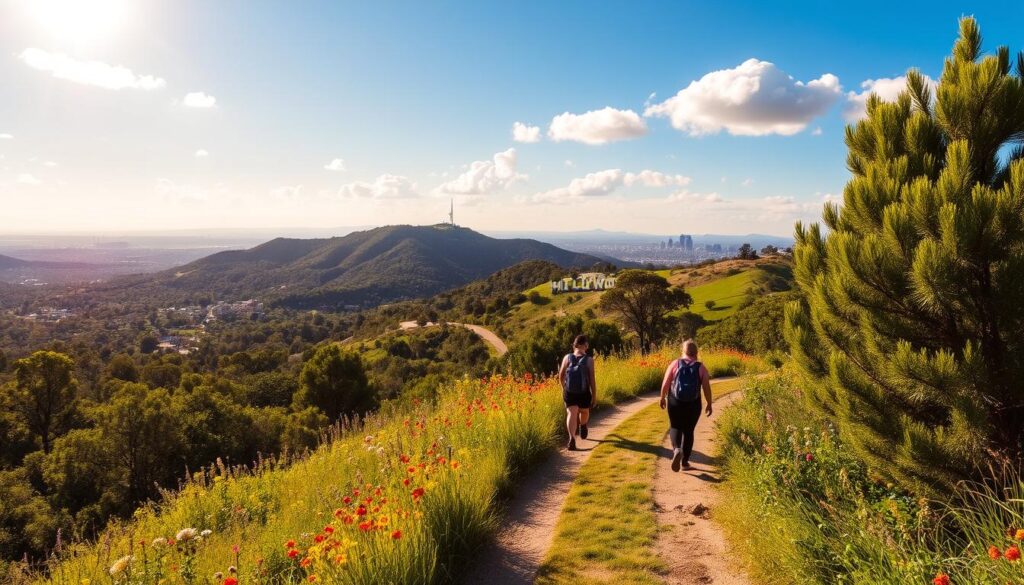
x: 120, y: 565
x: 206, y: 533
x: 218, y: 576
x: 186, y: 534
x: 159, y: 542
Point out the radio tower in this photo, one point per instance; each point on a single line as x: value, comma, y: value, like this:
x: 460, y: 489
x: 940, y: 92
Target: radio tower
x: 451, y: 214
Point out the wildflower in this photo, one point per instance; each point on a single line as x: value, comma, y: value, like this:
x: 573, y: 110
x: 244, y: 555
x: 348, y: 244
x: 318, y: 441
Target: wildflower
x: 293, y: 553
x: 340, y: 559
x: 235, y: 548
x: 396, y: 535
x: 206, y: 533
x: 305, y: 562
x: 329, y: 529
x: 361, y: 511
x: 1019, y: 535
x: 809, y: 457
x: 120, y: 565
x: 233, y: 569
x: 185, y: 534
x: 85, y: 582
x: 347, y: 500
x: 941, y: 579
x: 418, y: 493
x: 1012, y: 554
x: 218, y: 576
x: 230, y: 581
x: 159, y: 542
x: 319, y: 538
x: 994, y: 552
x: 366, y: 526
x: 455, y: 464
x: 312, y: 578
x: 290, y: 544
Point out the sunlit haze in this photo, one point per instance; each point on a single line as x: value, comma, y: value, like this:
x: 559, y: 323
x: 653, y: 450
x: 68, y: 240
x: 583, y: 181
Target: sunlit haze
x: 119, y: 115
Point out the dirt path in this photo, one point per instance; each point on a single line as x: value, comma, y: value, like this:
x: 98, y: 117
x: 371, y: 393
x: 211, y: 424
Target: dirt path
x: 486, y: 334
x: 689, y: 542
x: 530, y: 520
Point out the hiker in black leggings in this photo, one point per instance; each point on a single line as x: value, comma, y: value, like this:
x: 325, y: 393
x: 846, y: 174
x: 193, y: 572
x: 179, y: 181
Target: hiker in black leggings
x: 685, y: 380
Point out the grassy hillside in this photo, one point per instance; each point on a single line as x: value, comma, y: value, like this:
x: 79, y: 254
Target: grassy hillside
x: 405, y: 496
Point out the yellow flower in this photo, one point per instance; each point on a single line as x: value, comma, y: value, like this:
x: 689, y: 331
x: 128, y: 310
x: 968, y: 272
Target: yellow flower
x: 1020, y: 534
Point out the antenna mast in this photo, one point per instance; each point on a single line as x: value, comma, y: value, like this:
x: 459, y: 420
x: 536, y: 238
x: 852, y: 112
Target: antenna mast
x: 451, y: 213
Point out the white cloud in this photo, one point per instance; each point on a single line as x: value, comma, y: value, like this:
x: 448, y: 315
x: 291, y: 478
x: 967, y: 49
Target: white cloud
x: 569, y: 163
x: 694, y: 198
x: 383, y: 187
x: 198, y: 99
x: 336, y: 164
x: 28, y: 179
x: 754, y: 99
x: 523, y: 133
x: 816, y: 131
x: 606, y: 182
x: 95, y: 73
x: 6, y: 137
x: 50, y: 164
x: 485, y: 176
x: 597, y: 126
x: 747, y: 182
x: 887, y: 88
x: 202, y: 153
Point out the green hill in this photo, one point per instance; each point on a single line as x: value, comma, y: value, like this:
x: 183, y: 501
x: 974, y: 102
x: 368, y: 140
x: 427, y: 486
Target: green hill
x: 364, y: 269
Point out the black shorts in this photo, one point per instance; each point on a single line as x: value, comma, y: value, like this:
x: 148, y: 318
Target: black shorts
x: 580, y: 399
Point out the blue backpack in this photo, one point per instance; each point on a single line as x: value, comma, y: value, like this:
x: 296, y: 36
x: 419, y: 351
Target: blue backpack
x: 577, y: 374
x: 686, y: 386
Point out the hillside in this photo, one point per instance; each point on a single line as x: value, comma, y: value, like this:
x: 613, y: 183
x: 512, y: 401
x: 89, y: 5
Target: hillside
x: 364, y: 269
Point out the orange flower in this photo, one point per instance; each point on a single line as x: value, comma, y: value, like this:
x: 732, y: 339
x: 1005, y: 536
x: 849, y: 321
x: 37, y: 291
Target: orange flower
x: 396, y: 534
x: 1019, y: 535
x: 311, y: 578
x: 305, y: 562
x: 941, y: 579
x: 994, y: 552
x: 1012, y: 554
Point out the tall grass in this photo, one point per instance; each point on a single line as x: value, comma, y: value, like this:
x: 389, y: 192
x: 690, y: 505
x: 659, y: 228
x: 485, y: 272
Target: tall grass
x: 795, y: 490
x: 350, y: 512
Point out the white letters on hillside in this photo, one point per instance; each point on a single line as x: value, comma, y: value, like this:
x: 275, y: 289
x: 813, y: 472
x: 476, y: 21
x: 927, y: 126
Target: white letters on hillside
x: 587, y: 282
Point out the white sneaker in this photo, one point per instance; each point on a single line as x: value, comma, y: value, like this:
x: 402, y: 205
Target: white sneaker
x: 677, y: 459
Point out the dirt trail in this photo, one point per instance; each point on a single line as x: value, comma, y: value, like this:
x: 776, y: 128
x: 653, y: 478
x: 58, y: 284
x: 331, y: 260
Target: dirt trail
x: 520, y: 545
x: 486, y: 334
x: 690, y: 543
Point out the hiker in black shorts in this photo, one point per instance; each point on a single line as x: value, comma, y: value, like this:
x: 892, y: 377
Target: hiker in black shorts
x: 579, y: 388
x: 684, y: 380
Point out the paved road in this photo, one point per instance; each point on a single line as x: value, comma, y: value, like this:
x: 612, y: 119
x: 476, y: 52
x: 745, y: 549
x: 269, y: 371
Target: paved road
x: 486, y: 334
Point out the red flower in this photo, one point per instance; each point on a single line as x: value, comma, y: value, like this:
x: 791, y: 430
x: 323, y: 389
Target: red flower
x: 366, y: 526
x: 311, y: 578
x: 1012, y: 554
x: 418, y: 493
x: 809, y: 457
x: 293, y: 553
x: 319, y: 538
x: 994, y: 552
x: 406, y: 481
x: 305, y: 562
x: 361, y: 511
x: 941, y: 579
x: 329, y: 529
x: 230, y: 581
x: 396, y: 534
x: 347, y: 500
x: 290, y: 544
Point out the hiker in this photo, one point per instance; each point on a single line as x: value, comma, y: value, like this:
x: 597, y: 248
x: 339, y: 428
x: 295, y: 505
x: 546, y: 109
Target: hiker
x: 685, y: 378
x: 579, y: 389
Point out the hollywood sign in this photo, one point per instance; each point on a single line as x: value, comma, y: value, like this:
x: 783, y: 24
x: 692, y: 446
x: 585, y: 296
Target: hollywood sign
x: 591, y: 281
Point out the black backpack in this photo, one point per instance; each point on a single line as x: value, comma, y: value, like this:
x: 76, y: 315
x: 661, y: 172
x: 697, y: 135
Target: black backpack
x: 686, y: 386
x: 578, y: 375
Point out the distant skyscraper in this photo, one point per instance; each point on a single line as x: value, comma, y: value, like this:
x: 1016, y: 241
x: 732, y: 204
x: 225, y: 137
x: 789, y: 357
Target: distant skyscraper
x: 686, y: 242
x: 670, y: 242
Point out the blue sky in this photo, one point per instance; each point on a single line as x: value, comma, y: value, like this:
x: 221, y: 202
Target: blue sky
x: 418, y: 101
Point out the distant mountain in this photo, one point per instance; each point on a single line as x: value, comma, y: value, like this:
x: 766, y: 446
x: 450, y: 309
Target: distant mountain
x: 613, y: 237
x: 8, y: 262
x: 364, y: 268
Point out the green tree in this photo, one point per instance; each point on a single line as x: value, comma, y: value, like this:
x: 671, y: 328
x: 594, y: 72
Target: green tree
x: 27, y: 522
x: 334, y: 381
x: 641, y: 298
x: 690, y: 323
x: 914, y: 300
x: 45, y: 394
x: 747, y: 252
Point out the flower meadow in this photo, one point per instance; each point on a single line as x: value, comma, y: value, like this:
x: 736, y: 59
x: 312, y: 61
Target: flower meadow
x: 403, y: 496
x: 793, y: 489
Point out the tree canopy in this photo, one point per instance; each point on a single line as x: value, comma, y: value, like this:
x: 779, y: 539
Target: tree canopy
x: 914, y: 298
x: 642, y: 298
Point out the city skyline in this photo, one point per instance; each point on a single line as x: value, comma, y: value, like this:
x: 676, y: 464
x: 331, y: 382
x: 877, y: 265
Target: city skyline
x: 156, y: 115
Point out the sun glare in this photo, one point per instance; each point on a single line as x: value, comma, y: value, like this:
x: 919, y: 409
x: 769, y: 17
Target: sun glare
x: 79, y: 20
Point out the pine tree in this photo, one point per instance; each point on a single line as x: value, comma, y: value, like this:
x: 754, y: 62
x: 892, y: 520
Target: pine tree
x: 909, y: 331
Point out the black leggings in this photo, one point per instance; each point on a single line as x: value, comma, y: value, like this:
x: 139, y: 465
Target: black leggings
x: 682, y: 418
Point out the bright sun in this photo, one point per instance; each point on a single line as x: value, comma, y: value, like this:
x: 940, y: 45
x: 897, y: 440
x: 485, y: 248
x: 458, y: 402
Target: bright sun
x: 79, y: 20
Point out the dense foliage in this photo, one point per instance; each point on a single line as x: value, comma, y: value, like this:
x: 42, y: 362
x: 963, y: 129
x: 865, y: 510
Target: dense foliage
x: 909, y: 333
x: 641, y: 299
x: 756, y: 328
